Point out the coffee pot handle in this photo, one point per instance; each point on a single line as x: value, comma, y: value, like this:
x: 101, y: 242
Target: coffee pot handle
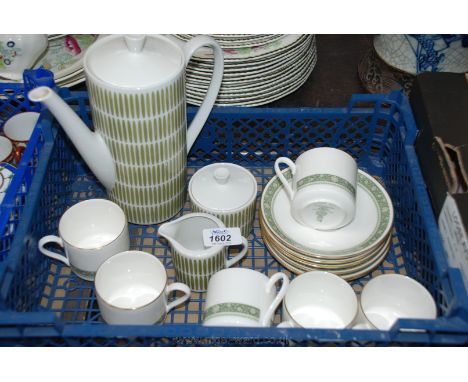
x: 52, y: 239
x: 200, y: 118
x: 267, y: 317
x: 279, y: 173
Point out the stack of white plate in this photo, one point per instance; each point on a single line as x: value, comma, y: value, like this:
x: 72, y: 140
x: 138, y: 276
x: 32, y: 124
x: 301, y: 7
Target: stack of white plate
x: 258, y: 69
x: 64, y: 57
x: 350, y: 252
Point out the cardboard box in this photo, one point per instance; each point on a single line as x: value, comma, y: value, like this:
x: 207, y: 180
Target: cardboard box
x: 440, y: 107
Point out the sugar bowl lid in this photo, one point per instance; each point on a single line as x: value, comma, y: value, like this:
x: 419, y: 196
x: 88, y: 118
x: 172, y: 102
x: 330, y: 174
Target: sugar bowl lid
x: 222, y: 187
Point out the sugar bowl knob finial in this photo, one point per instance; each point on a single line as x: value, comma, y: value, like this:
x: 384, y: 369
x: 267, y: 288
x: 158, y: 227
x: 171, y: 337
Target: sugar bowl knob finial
x: 221, y: 175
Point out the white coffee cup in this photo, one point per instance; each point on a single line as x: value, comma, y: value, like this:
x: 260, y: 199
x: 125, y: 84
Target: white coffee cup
x: 319, y: 299
x: 132, y: 289
x: 323, y: 187
x: 243, y: 297
x: 18, y: 129
x: 90, y: 232
x: 389, y: 297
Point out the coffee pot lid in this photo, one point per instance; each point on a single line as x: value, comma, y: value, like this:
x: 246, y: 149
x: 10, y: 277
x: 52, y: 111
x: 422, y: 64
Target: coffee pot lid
x: 133, y: 61
x: 223, y: 187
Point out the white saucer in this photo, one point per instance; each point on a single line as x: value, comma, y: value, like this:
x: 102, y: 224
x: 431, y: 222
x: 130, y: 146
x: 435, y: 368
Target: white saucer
x: 372, y: 223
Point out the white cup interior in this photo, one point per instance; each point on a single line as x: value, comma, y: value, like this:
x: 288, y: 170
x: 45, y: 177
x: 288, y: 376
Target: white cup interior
x: 387, y: 298
x: 323, y: 206
x: 130, y: 280
x: 321, y: 300
x: 92, y: 224
x: 6, y: 147
x: 20, y: 127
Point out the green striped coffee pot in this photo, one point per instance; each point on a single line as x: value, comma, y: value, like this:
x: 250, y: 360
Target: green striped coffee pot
x: 138, y: 151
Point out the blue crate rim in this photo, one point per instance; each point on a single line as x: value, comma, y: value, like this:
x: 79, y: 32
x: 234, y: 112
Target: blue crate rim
x: 45, y: 323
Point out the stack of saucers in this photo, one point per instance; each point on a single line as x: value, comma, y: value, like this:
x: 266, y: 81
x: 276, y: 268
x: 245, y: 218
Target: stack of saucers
x: 258, y: 69
x: 351, y: 252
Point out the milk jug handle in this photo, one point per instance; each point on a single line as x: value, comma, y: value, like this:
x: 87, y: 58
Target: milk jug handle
x: 200, y: 118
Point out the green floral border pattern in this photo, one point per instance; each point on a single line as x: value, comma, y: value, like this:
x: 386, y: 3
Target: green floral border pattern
x: 233, y: 308
x: 384, y: 214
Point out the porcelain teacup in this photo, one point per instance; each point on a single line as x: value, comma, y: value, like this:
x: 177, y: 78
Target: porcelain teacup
x: 319, y: 299
x: 243, y: 297
x: 132, y: 289
x: 389, y: 297
x: 323, y: 187
x: 89, y: 232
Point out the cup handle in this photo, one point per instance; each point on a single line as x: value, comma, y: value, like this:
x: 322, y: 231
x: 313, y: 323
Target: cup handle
x: 243, y: 252
x: 279, y: 297
x: 174, y: 287
x: 200, y: 118
x: 281, y: 177
x: 52, y: 239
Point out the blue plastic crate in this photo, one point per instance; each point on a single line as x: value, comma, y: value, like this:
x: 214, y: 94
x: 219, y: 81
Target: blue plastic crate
x: 13, y: 101
x: 42, y: 303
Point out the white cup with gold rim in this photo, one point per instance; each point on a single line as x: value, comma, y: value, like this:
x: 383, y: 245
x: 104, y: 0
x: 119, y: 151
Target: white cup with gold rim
x: 321, y: 300
x: 132, y: 289
x: 89, y: 232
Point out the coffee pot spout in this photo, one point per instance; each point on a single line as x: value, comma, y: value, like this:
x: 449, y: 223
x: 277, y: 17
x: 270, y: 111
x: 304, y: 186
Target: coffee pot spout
x: 90, y: 145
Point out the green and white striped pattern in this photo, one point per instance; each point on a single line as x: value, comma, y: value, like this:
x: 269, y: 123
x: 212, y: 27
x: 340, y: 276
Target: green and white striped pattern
x: 243, y: 219
x: 146, y: 135
x: 197, y: 272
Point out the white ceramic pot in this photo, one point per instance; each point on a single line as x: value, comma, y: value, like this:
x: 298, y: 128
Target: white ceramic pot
x: 227, y: 191
x: 138, y: 150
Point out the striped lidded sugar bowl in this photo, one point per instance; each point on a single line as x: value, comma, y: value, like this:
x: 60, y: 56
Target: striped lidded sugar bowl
x: 227, y: 191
